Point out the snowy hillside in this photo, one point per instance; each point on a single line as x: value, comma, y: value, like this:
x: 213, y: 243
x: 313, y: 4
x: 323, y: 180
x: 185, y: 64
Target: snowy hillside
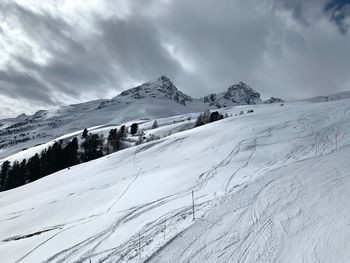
x: 156, y: 99
x: 332, y: 97
x: 269, y: 186
x: 162, y: 100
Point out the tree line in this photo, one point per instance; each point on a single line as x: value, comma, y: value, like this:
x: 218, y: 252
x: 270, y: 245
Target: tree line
x: 208, y: 117
x: 62, y: 155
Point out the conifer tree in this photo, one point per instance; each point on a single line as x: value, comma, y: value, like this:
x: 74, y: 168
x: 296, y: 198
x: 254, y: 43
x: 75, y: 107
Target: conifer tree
x: 34, y: 168
x: 206, y: 116
x: 92, y: 147
x: 113, y: 140
x: 23, y: 171
x: 13, y: 178
x: 215, y: 116
x: 5, y: 167
x: 70, y: 153
x: 85, y: 133
x: 133, y: 129
x: 122, y: 133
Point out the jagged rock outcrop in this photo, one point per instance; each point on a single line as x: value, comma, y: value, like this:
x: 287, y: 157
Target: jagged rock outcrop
x: 273, y: 100
x: 238, y: 94
x: 162, y: 88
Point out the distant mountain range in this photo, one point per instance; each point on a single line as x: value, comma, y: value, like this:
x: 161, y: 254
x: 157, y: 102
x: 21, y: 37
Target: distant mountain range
x: 155, y: 99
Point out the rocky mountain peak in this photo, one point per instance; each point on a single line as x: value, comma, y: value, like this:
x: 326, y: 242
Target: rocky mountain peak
x: 237, y: 94
x: 242, y: 93
x: 161, y: 88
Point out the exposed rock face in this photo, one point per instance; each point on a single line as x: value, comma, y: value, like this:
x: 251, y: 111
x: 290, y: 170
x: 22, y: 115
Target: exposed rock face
x: 273, y: 100
x: 162, y: 88
x: 238, y: 94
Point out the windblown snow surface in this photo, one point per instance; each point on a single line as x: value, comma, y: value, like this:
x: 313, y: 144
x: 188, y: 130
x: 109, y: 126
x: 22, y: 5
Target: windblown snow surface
x: 269, y: 186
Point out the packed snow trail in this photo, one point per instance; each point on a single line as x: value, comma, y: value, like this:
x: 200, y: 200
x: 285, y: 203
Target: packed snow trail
x: 297, y: 213
x: 116, y: 209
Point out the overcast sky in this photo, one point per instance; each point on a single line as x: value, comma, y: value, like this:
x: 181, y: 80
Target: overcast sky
x: 56, y: 52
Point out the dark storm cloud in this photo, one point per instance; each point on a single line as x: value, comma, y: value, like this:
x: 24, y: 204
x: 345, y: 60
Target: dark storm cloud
x: 337, y: 11
x: 287, y: 48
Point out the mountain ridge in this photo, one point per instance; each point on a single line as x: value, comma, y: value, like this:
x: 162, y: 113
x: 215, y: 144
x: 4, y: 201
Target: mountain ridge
x: 154, y: 99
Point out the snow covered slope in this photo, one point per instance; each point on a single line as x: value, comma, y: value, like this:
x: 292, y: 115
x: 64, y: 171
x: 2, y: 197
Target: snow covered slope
x: 156, y: 99
x: 332, y: 97
x: 269, y: 186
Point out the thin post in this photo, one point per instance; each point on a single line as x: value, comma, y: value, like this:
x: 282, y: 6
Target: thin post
x: 193, y: 206
x: 336, y: 141
x: 140, y: 246
x: 164, y: 227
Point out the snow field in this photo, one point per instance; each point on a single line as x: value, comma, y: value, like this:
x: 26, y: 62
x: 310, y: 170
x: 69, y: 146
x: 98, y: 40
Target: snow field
x: 249, y: 173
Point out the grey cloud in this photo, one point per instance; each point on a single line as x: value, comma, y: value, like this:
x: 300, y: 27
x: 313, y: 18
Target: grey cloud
x: 136, y: 45
x: 16, y: 85
x: 337, y: 11
x: 225, y: 42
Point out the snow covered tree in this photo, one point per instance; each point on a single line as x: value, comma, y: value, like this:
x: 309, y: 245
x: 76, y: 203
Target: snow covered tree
x: 139, y: 139
x: 199, y: 120
x: 155, y: 124
x: 122, y: 133
x: 206, y: 116
x: 133, y: 129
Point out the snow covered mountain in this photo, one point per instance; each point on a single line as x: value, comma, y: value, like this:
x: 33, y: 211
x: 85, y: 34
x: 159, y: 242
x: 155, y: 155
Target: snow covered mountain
x: 162, y: 88
x: 268, y: 186
x: 157, y: 99
x: 239, y: 94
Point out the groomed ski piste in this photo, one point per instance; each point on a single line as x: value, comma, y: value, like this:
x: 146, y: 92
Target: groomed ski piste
x: 269, y: 186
